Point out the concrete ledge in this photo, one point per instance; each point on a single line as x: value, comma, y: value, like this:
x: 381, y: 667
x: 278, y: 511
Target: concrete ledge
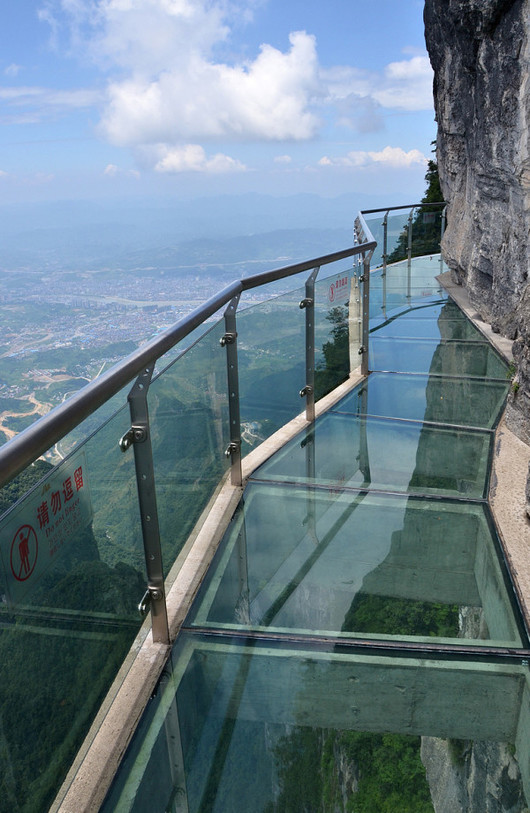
x: 461, y: 297
x: 508, y: 503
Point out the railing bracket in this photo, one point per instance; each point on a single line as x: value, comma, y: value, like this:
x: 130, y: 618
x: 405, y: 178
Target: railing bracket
x: 307, y: 390
x: 151, y: 594
x: 362, y: 349
x: 136, y: 434
x: 228, y: 338
x: 231, y: 449
x: 306, y: 303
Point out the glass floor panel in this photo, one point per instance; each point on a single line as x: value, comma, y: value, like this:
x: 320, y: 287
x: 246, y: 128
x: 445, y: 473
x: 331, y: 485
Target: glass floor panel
x: 426, y: 328
x: 460, y: 358
x: 439, y: 310
x: 244, y: 725
x: 349, y: 451
x: 316, y: 562
x: 462, y: 401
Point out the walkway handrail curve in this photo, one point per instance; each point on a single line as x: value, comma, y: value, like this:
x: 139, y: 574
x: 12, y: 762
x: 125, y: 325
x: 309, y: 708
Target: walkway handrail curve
x: 408, y: 206
x: 31, y: 443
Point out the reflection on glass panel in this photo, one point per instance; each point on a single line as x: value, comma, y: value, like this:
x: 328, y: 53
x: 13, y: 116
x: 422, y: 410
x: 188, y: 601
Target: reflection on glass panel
x: 362, y: 565
x: 188, y: 406
x: 73, y: 574
x: 241, y: 726
x: 466, y: 401
x: 476, y: 359
x: 271, y: 350
x: 358, y: 452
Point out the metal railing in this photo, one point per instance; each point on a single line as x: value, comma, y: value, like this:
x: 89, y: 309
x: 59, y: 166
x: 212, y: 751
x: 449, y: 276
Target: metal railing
x: 405, y: 234
x: 21, y: 451
x: 130, y: 519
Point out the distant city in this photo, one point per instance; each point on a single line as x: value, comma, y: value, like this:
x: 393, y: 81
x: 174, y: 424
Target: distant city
x: 64, y: 320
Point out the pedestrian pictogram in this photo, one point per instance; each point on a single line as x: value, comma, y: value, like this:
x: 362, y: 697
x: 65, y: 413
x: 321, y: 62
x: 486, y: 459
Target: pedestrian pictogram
x: 24, y: 553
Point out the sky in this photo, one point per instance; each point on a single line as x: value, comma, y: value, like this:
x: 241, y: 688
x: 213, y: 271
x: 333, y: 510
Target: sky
x: 111, y: 99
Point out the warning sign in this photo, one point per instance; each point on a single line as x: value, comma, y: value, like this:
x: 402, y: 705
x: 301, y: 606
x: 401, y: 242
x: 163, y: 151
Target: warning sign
x: 46, y: 524
x: 339, y: 288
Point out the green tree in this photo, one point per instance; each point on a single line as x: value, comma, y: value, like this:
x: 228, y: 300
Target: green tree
x: 426, y: 224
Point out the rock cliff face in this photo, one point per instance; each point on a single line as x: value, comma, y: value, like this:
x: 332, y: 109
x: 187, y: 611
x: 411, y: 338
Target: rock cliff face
x: 480, y: 53
x: 465, y: 776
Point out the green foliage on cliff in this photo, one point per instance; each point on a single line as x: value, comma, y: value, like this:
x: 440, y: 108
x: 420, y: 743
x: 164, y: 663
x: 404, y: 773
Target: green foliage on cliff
x: 399, y: 616
x: 322, y: 770
x: 426, y: 224
x: 16, y: 489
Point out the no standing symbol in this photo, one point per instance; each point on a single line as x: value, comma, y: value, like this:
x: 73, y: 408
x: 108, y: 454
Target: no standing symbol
x: 24, y: 551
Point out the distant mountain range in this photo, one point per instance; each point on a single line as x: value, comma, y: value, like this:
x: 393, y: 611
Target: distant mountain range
x: 68, y: 234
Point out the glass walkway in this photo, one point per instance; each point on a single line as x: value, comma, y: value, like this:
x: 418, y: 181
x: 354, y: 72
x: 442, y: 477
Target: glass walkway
x: 351, y: 647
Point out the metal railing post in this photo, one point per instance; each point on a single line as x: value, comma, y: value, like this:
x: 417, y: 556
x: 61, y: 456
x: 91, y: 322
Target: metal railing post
x: 363, y: 350
x: 409, y: 253
x: 385, y: 245
x: 442, y: 232
x: 308, y: 304
x: 229, y: 340
x: 139, y: 437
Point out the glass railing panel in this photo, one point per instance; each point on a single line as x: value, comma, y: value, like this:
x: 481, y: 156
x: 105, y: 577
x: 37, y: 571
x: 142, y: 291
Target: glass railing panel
x: 426, y: 230
x: 360, y: 565
x: 342, y: 451
x: 271, y: 357
x: 458, y: 358
x: 465, y: 401
x: 240, y: 725
x: 338, y: 326
x: 73, y: 574
x: 188, y: 409
x: 396, y: 235
x: 405, y: 286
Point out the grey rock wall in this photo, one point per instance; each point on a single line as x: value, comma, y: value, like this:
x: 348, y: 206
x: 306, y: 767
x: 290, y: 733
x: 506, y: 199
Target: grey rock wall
x: 480, y: 53
x: 467, y: 777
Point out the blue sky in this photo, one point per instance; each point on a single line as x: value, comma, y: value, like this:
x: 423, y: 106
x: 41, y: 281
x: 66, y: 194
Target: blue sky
x: 103, y: 99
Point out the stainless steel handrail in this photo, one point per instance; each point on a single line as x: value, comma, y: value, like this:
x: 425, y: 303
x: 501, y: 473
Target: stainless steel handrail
x: 396, y: 208
x: 26, y: 447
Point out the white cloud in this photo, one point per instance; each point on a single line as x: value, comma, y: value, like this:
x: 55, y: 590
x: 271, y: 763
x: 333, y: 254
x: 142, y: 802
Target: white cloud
x: 408, y: 85
x: 283, y: 159
x: 37, y: 102
x: 267, y: 99
x: 171, y: 85
x: 405, y: 85
x: 393, y: 157
x: 111, y: 170
x: 167, y: 84
x: 12, y: 70
x: 193, y: 158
